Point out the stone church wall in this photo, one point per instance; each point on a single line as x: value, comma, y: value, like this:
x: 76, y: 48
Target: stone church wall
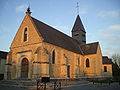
x: 89, y: 71
x: 41, y: 54
x: 108, y: 73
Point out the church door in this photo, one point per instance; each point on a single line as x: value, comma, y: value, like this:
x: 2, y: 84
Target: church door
x: 24, y: 68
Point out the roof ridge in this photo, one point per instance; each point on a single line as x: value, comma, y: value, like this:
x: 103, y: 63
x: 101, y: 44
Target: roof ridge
x: 89, y: 43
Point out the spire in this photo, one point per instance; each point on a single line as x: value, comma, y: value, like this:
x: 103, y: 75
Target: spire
x: 28, y: 11
x: 78, y: 31
x: 78, y: 26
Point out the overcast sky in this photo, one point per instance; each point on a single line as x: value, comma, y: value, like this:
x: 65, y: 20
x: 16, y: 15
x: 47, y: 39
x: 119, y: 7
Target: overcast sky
x: 101, y: 19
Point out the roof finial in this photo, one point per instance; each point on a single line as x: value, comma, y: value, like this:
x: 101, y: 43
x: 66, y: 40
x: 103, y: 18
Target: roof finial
x: 28, y: 10
x: 77, y: 7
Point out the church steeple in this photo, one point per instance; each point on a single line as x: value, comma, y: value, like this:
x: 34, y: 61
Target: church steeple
x: 78, y: 25
x: 78, y: 31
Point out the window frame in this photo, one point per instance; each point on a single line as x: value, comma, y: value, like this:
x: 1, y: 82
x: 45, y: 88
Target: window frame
x: 25, y: 34
x: 53, y: 57
x: 78, y: 61
x: 105, y: 68
x: 87, y: 63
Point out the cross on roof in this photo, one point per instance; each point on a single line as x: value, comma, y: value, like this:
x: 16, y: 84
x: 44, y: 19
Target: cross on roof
x: 77, y: 7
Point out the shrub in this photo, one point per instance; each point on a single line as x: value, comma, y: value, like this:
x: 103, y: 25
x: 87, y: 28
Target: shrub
x: 1, y: 76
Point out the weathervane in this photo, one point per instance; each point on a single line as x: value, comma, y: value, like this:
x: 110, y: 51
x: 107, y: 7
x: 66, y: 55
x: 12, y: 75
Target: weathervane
x: 77, y: 7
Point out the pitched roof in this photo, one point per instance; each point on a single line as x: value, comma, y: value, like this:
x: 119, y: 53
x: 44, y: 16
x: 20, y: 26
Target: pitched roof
x: 90, y: 48
x: 78, y: 25
x: 55, y: 37
x: 106, y: 60
x: 3, y: 54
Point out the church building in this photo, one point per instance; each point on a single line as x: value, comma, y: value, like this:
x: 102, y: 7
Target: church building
x: 39, y: 50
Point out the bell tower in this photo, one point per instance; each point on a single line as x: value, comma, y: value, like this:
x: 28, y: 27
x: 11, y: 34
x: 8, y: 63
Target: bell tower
x: 78, y: 31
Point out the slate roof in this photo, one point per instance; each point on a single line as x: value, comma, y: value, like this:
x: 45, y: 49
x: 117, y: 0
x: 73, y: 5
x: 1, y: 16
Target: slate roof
x: 3, y: 55
x: 53, y: 36
x: 106, y: 60
x: 90, y: 48
x: 78, y: 25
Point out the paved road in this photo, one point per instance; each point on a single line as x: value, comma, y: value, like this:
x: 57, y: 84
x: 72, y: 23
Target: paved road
x: 113, y: 86
x: 10, y: 88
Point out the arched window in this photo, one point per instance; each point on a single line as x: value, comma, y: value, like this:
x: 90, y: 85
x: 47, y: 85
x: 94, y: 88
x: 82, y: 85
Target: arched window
x: 105, y: 68
x: 78, y: 61
x: 53, y: 57
x: 25, y: 34
x: 66, y: 60
x: 87, y: 63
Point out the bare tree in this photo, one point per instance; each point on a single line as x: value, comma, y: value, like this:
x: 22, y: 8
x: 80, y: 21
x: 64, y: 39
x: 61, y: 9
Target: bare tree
x: 116, y: 58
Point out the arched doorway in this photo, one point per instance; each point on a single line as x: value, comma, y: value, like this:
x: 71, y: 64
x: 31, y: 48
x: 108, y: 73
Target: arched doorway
x: 24, y: 68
